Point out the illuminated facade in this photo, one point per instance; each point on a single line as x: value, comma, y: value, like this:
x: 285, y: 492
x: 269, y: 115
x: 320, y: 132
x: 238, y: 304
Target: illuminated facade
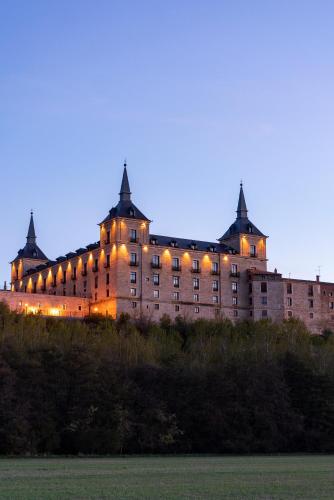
x: 130, y: 270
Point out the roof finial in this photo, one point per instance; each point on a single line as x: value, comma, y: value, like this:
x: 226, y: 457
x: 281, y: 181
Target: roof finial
x: 31, y: 236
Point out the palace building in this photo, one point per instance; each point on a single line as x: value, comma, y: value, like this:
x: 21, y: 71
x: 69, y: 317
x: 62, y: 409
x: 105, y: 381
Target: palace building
x: 130, y: 270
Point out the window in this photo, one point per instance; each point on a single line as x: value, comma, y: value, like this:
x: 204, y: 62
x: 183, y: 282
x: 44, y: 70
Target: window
x: 250, y: 300
x: 177, y: 308
x: 310, y: 290
x: 196, y: 283
x: 108, y: 261
x: 289, y: 288
x: 252, y: 250
x: 176, y: 264
x: 133, y: 259
x: 195, y: 267
x: 133, y: 292
x: 234, y: 286
x: 264, y: 301
x: 35, y: 287
x: 64, y: 277
x: 133, y: 235
x: 156, y: 294
x: 235, y: 301
x: 74, y: 289
x: 264, y: 313
x: 215, y: 299
x: 108, y: 238
x: 96, y: 282
x: 311, y: 315
x: 107, y: 292
x: 133, y: 277
x: 214, y: 267
x: 264, y: 287
x: 156, y: 279
x: 134, y: 305
x: 95, y: 296
x: 156, y: 261
x: 84, y: 272
x: 196, y: 297
x: 310, y: 303
x: 196, y: 310
x: 250, y: 288
x: 74, y: 275
x: 156, y: 306
x: 331, y: 305
x: 96, y: 265
x: 235, y: 313
x: 176, y: 296
x: 54, y: 280
x: 234, y: 269
x: 176, y: 281
x: 289, y: 302
x: 289, y: 314
x: 215, y: 286
x: 79, y: 308
x: 107, y: 279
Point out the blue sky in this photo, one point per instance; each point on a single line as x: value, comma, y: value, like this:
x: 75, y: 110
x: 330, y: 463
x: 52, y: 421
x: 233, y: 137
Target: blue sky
x: 196, y: 95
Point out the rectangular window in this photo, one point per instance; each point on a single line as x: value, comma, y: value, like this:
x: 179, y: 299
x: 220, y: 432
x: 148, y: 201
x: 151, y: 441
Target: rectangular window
x: 54, y: 280
x: 133, y: 277
x: 176, y: 264
x: 176, y: 281
x: 310, y: 290
x: 96, y: 265
x: 195, y: 266
x: 235, y: 301
x: 133, y: 292
x: 177, y: 308
x: 234, y: 286
x: 107, y: 261
x: 250, y: 288
x: 156, y: 306
x: 289, y: 288
x: 215, y: 299
x: 250, y: 301
x: 264, y: 301
x: 196, y: 310
x: 235, y: 313
x: 234, y: 269
x: 311, y: 315
x: 176, y: 296
x: 264, y: 287
x: 215, y: 286
x: 133, y: 259
x: 264, y: 313
x: 156, y: 279
x: 331, y: 305
x: 108, y: 238
x: 134, y: 305
x: 310, y: 303
x: 156, y: 294
x: 289, y: 302
x: 74, y: 289
x: 196, y: 297
x: 196, y: 283
x: 214, y: 268
x: 252, y: 250
x: 107, y: 279
x: 133, y: 235
x: 107, y: 292
x: 156, y: 261
x: 96, y: 282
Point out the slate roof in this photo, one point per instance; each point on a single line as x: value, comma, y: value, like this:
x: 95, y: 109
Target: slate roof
x: 186, y: 244
x: 31, y: 250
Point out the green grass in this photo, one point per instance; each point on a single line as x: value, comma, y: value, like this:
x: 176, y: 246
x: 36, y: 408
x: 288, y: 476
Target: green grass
x: 195, y: 477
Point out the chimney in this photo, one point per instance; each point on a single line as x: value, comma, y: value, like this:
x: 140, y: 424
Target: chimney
x: 318, y: 277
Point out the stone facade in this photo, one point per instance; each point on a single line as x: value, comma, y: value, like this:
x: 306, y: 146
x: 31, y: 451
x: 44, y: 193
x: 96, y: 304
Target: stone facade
x: 129, y: 270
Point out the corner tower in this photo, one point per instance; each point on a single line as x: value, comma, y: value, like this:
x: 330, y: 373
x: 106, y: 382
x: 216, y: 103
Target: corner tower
x: 29, y: 256
x: 243, y: 235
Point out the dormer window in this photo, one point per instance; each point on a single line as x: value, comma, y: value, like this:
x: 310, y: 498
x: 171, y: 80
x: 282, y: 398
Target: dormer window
x: 193, y: 246
x: 212, y: 248
x: 250, y: 229
x: 153, y: 241
x: 131, y: 212
x: 173, y: 243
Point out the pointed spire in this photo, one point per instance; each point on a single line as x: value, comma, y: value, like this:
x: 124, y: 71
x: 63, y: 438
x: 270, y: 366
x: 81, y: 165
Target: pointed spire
x: 31, y: 236
x: 125, y: 193
x: 242, y: 207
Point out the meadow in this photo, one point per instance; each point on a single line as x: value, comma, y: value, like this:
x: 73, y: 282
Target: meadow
x: 182, y: 477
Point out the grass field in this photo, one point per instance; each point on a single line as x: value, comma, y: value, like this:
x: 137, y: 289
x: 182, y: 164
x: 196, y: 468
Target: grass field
x: 259, y: 477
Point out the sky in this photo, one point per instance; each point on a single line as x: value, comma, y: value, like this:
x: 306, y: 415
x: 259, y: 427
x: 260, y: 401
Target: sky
x: 196, y: 95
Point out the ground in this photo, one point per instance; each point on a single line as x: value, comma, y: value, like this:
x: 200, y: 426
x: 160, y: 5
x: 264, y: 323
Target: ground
x: 195, y: 477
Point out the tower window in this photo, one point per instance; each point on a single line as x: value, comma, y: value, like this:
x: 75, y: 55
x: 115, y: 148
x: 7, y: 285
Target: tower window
x: 289, y: 288
x: 252, y: 251
x: 156, y: 279
x: 133, y: 235
x: 133, y: 277
x: 263, y: 287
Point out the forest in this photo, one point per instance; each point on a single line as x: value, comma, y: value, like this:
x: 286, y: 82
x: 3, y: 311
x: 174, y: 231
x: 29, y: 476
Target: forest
x: 103, y: 386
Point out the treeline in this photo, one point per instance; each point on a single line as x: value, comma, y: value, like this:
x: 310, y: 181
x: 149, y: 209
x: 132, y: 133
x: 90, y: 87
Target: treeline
x: 100, y: 386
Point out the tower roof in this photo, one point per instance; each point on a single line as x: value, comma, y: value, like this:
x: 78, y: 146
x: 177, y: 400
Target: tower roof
x: 31, y: 250
x: 242, y: 224
x: 125, y: 207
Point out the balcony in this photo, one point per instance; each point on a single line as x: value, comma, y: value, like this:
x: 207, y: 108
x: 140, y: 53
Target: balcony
x: 215, y: 273
x: 254, y: 255
x: 155, y: 265
x: 196, y: 270
x: 176, y: 268
x: 235, y: 274
x: 134, y: 263
x: 134, y: 240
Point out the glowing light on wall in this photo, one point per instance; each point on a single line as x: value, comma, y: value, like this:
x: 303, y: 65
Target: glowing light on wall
x: 225, y: 259
x: 145, y: 248
x: 54, y: 311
